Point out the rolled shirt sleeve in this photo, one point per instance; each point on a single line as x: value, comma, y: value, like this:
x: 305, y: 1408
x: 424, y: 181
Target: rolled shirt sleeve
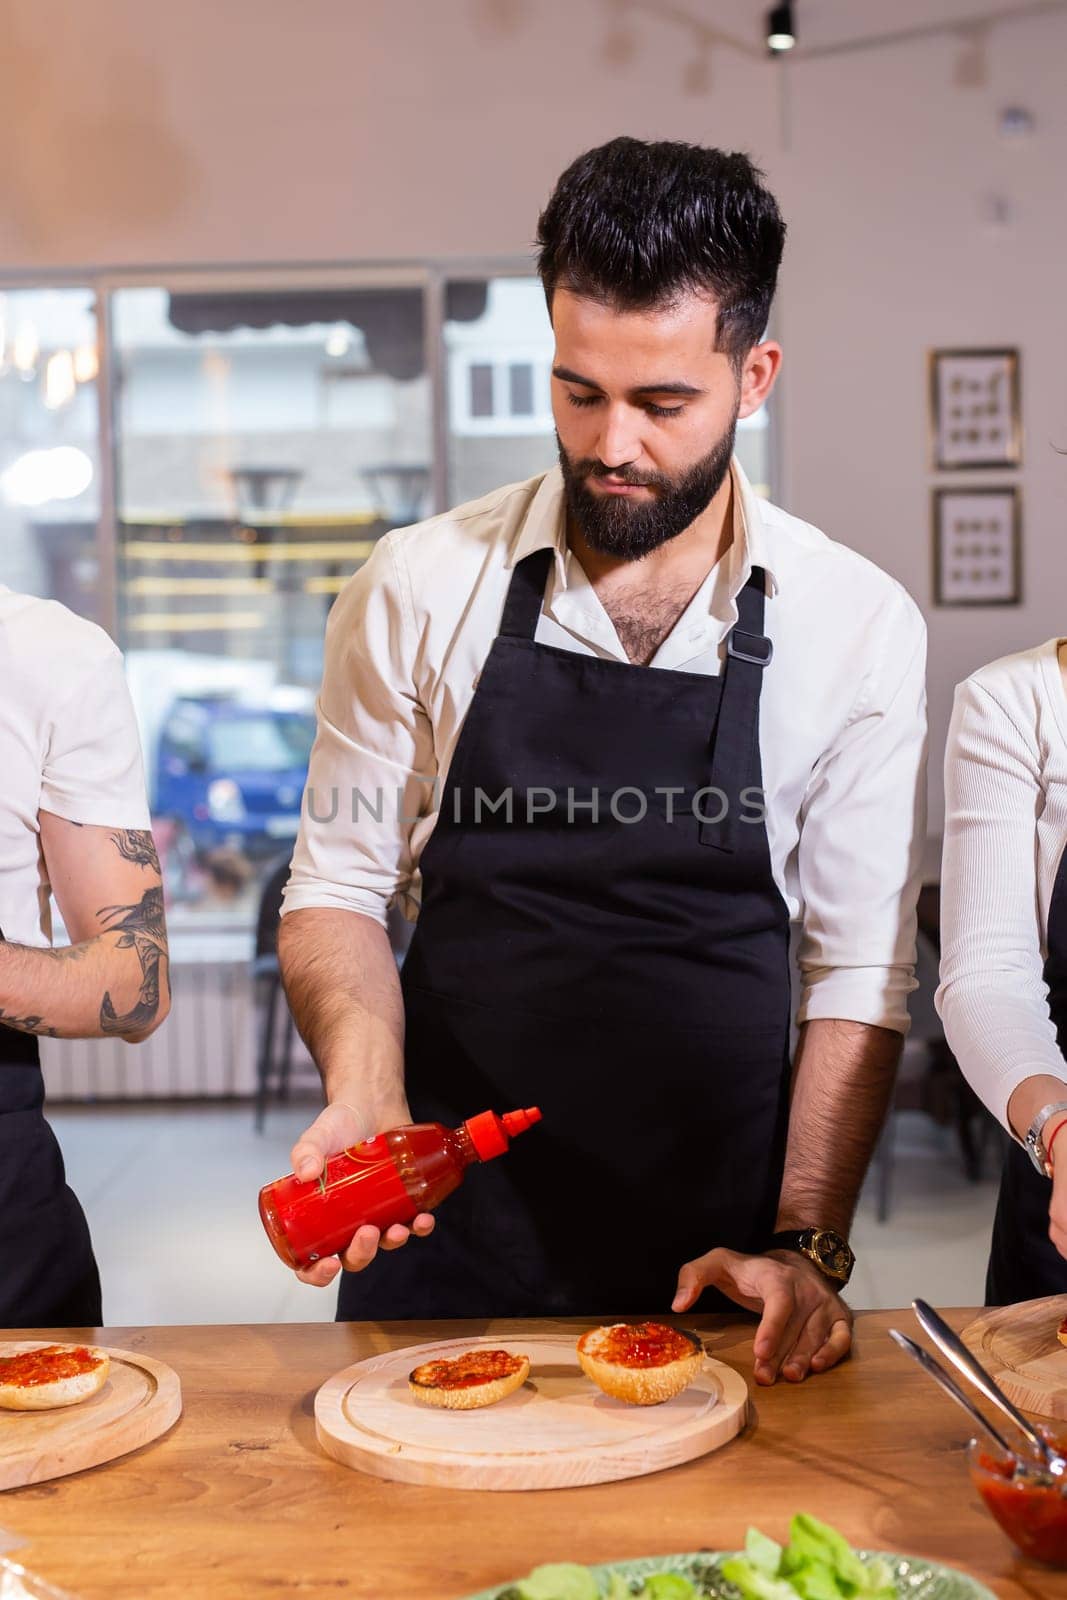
x: 993, y: 999
x: 92, y: 769
x: 372, y: 773
x: 863, y: 826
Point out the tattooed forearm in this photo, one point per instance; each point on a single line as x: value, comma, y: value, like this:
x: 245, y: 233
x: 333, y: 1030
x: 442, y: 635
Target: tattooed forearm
x: 70, y: 993
x: 138, y: 846
x: 68, y: 952
x: 142, y: 928
x: 27, y: 1024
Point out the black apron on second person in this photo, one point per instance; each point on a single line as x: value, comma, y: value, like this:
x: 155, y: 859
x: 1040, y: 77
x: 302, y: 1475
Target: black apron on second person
x: 626, y: 970
x: 1024, y: 1264
x: 48, y: 1277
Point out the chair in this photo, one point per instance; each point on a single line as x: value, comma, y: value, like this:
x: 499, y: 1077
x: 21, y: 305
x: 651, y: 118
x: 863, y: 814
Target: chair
x: 270, y: 994
x: 267, y: 981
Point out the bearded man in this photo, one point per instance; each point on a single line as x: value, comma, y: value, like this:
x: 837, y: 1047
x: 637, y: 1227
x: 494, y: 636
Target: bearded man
x: 628, y: 724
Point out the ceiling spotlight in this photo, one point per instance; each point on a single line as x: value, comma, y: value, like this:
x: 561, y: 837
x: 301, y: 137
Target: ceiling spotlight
x: 1016, y: 122
x: 781, y: 33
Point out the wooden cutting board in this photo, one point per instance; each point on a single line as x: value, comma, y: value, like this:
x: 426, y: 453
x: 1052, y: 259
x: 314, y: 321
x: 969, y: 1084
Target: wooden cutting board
x: 1018, y: 1345
x: 141, y: 1399
x: 556, y: 1432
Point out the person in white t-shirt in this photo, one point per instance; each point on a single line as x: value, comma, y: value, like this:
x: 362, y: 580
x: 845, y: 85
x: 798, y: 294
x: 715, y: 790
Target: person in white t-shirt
x: 74, y: 824
x: 1003, y: 995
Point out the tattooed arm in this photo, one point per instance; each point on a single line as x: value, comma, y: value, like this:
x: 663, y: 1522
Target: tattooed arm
x: 113, y: 979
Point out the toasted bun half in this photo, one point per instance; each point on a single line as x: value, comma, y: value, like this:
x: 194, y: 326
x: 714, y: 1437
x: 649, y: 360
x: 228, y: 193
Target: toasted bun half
x: 1061, y: 1331
x: 642, y: 1362
x: 52, y: 1375
x: 478, y: 1378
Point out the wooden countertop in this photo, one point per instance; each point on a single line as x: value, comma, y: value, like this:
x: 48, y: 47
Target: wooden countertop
x: 237, y: 1500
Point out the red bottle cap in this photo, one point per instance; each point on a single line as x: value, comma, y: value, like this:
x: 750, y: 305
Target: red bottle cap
x: 490, y: 1134
x: 516, y: 1122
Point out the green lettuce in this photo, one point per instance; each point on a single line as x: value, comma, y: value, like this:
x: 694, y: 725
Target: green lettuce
x: 564, y: 1581
x: 755, y: 1584
x: 818, y: 1563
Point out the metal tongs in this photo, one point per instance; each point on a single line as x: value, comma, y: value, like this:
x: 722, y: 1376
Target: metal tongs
x: 952, y: 1346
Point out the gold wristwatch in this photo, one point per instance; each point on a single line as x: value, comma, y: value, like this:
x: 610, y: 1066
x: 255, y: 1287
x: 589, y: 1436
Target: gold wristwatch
x: 824, y: 1248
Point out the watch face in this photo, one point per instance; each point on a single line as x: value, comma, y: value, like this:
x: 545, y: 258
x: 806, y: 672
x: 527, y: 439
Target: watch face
x: 833, y: 1253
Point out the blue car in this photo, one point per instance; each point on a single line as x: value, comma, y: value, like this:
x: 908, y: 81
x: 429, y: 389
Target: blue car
x: 232, y: 773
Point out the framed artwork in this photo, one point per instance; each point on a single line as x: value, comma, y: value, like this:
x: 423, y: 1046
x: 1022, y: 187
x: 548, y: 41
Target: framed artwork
x: 975, y: 411
x: 977, y: 547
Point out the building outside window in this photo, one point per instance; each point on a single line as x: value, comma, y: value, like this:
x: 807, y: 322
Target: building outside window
x: 50, y: 445
x: 207, y: 491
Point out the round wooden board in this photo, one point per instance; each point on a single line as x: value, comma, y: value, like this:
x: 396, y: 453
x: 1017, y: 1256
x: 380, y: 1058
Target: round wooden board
x: 1018, y: 1344
x: 556, y: 1432
x: 141, y: 1399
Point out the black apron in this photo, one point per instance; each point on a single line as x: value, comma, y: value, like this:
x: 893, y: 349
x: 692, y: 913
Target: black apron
x: 630, y: 977
x: 48, y: 1277
x: 1024, y: 1264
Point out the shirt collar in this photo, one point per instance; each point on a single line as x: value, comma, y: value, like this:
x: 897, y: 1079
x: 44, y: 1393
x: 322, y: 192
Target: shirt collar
x: 545, y: 527
x: 750, y: 532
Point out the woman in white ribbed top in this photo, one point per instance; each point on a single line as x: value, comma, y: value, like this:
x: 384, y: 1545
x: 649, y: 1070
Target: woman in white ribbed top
x: 1003, y: 994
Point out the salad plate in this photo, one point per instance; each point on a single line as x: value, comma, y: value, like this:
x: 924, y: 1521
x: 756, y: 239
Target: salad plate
x: 913, y: 1578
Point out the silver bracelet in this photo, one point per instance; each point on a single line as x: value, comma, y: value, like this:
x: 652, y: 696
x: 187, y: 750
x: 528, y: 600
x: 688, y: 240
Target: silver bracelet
x: 1034, y: 1144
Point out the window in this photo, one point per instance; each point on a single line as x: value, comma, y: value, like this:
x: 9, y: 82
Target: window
x: 49, y: 445
x: 481, y: 389
x: 752, y: 448
x: 264, y: 442
x: 259, y: 742
x: 521, y: 381
x: 263, y: 438
x: 498, y: 354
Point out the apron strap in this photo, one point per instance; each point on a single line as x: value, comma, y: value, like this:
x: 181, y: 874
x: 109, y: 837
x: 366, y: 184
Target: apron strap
x: 526, y: 592
x: 748, y: 652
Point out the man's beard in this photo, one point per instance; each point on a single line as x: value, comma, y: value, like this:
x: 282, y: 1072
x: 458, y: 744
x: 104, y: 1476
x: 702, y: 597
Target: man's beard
x: 617, y: 526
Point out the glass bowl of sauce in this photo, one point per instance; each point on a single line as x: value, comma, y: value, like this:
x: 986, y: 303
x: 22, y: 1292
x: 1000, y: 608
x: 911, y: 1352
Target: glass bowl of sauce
x: 1029, y: 1504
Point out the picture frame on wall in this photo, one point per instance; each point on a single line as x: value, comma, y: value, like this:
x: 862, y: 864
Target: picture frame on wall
x: 975, y: 409
x: 977, y: 544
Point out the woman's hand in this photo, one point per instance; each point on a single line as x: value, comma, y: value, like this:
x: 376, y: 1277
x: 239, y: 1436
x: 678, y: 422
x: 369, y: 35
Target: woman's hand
x: 1057, y: 1211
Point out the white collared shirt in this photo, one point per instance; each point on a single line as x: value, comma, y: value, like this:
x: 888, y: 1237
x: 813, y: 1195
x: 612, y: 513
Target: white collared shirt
x: 842, y: 720
x: 1005, y: 837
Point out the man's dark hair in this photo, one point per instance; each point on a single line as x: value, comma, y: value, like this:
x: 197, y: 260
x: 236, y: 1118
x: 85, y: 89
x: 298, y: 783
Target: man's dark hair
x: 635, y: 226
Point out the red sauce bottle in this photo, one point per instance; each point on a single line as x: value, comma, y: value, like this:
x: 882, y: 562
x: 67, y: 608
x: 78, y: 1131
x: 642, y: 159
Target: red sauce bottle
x: 384, y: 1180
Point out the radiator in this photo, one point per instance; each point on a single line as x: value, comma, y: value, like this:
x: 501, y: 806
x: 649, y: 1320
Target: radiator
x: 205, y: 1050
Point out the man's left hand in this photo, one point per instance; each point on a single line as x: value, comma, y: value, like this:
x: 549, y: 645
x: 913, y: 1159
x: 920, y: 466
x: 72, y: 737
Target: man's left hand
x: 804, y: 1325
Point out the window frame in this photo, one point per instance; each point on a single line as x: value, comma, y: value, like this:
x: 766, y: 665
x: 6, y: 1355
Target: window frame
x: 448, y: 399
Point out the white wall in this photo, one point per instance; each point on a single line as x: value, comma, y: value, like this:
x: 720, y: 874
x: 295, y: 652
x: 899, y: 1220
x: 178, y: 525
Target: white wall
x: 147, y: 132
x: 888, y: 188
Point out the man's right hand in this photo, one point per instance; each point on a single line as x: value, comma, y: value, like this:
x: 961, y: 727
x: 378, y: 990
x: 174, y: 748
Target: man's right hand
x: 337, y: 1128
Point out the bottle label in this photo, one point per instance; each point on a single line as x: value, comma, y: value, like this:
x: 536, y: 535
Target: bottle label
x: 362, y: 1188
x: 319, y: 1217
x: 369, y: 1150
